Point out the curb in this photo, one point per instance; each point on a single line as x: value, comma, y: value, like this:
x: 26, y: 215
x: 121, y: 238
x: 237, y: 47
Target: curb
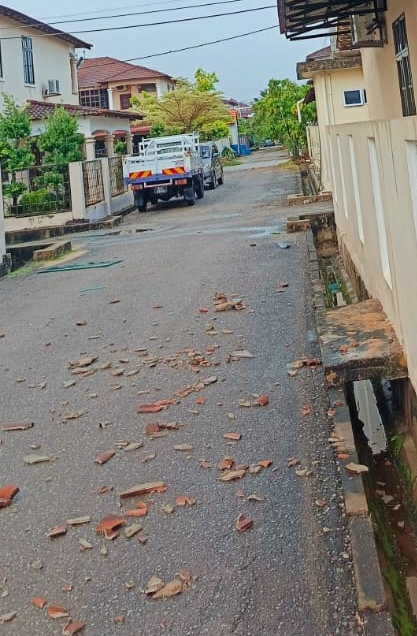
x: 368, y: 577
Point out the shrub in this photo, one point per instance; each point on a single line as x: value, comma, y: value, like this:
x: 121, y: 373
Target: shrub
x: 39, y: 201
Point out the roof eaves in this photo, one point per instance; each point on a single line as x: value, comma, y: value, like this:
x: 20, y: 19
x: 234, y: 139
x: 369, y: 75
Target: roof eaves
x: 305, y: 70
x: 12, y: 14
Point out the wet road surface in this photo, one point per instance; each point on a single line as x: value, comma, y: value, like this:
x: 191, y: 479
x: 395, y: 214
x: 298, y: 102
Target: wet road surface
x: 145, y: 324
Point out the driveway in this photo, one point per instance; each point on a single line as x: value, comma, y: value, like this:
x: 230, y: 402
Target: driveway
x: 136, y: 359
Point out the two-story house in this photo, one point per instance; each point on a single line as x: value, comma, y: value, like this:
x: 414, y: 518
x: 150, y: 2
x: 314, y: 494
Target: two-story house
x: 374, y: 165
x: 38, y: 66
x: 109, y: 83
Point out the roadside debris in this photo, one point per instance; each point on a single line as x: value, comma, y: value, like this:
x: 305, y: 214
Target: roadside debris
x: 243, y: 523
x: 7, y: 493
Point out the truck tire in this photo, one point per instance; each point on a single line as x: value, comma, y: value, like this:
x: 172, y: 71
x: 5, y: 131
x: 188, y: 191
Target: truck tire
x: 221, y: 178
x: 189, y: 194
x: 199, y: 188
x: 140, y: 202
x: 213, y: 183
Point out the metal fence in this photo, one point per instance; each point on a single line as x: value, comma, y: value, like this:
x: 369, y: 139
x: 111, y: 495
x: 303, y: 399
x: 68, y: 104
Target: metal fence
x: 37, y: 190
x: 117, y: 185
x: 93, y: 182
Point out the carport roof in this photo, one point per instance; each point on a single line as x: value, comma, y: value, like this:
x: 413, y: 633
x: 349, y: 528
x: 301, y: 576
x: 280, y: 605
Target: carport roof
x: 304, y: 19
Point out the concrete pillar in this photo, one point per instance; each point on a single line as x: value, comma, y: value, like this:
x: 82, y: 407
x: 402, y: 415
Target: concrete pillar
x: 129, y: 143
x: 106, y: 184
x: 159, y: 91
x: 77, y: 190
x: 110, y: 96
x: 109, y: 142
x: 90, y: 148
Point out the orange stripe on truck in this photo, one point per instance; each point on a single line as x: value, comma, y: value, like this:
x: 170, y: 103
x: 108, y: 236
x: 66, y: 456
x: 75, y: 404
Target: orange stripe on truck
x: 140, y: 175
x: 171, y: 171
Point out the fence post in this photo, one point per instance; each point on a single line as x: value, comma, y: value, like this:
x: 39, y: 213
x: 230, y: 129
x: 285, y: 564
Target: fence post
x: 2, y: 226
x: 5, y: 259
x: 77, y: 190
x: 105, y: 169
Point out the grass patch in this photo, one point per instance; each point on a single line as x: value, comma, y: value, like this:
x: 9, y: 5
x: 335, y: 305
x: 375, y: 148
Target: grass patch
x: 290, y: 165
x: 231, y: 162
x: 23, y: 271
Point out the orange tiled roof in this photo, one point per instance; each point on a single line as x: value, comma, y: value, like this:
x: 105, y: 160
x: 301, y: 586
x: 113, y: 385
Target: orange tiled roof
x: 39, y: 110
x: 95, y: 71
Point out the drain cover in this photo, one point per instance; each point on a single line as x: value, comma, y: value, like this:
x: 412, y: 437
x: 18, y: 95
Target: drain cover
x: 70, y: 267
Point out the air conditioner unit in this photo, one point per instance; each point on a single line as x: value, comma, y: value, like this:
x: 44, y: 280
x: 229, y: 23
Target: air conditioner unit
x: 368, y: 30
x: 53, y: 87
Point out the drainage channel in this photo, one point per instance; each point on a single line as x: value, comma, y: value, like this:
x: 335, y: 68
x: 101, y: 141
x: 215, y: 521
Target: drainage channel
x: 388, y: 491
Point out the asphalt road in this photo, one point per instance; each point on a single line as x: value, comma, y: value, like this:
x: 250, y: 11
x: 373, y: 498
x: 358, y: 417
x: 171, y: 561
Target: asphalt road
x: 290, y: 574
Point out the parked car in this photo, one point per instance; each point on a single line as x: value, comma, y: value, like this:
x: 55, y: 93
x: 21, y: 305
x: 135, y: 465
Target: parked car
x: 212, y: 165
x: 268, y: 142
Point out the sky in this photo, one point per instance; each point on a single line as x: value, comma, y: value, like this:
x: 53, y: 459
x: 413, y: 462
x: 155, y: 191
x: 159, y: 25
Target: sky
x: 244, y: 65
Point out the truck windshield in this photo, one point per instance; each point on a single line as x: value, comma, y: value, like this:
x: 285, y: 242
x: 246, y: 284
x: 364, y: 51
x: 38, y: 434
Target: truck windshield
x: 205, y: 152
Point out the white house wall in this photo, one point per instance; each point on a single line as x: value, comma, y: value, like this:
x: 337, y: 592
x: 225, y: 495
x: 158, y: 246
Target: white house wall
x: 383, y: 155
x: 379, y: 66
x: 51, y: 59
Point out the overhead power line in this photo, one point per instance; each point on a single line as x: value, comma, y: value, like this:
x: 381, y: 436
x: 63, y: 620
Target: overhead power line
x: 198, y: 46
x: 102, y: 10
x: 149, y: 24
x: 186, y: 48
x: 128, y: 15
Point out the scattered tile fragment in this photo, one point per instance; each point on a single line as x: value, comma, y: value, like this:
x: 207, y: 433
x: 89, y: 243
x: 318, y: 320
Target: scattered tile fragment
x: 32, y: 459
x: 17, y: 426
x: 243, y: 523
x: 57, y: 531
x: 72, y: 627
x: 143, y: 489
x: 7, y: 493
x: 104, y: 457
x: 231, y: 475
x: 57, y: 611
x: 39, y: 601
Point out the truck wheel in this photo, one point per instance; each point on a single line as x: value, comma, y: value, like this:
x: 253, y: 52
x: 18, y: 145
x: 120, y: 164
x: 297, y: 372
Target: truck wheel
x: 140, y: 202
x: 213, y: 185
x: 199, y: 188
x: 189, y: 195
x: 221, y: 178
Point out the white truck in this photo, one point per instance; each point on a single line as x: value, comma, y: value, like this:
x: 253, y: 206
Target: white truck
x: 166, y: 167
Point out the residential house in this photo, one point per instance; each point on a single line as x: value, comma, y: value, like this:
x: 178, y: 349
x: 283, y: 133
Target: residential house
x: 38, y: 66
x: 109, y: 83
x: 374, y: 165
x: 337, y: 76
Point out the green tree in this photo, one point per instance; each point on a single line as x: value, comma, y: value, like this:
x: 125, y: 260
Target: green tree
x: 15, y: 149
x: 215, y: 130
x: 205, y: 81
x: 187, y: 108
x: 276, y: 115
x: 60, y: 144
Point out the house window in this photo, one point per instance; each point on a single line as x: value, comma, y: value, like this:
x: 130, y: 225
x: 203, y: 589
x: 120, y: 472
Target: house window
x: 28, y: 70
x: 405, y: 77
x: 94, y: 98
x: 125, y: 101
x: 147, y: 88
x: 355, y: 97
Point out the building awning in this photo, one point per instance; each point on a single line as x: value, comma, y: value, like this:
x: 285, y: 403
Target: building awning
x: 140, y: 130
x: 304, y: 19
x: 358, y: 342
